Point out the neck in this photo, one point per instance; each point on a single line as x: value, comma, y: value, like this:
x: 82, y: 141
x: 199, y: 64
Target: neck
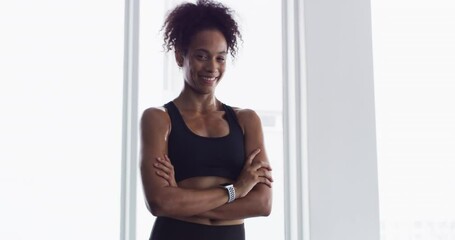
x: 188, y: 100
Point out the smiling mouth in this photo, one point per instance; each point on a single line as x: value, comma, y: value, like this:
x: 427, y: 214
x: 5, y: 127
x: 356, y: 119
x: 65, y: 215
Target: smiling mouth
x: 208, y: 78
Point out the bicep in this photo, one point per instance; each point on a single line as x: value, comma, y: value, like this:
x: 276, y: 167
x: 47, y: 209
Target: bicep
x: 254, y: 136
x: 154, y: 130
x: 254, y: 139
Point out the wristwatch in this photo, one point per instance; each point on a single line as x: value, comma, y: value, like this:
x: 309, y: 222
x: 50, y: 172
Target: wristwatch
x: 231, y: 191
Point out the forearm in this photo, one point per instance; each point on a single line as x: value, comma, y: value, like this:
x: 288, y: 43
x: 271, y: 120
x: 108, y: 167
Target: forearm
x: 257, y: 203
x: 179, y: 202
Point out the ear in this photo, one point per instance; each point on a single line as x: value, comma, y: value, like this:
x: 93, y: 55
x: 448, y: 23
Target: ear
x: 179, y: 58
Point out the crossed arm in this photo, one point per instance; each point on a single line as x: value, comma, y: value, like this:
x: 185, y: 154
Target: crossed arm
x: 255, y: 203
x: 165, y: 198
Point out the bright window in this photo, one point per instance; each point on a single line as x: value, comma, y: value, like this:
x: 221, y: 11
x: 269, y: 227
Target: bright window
x: 253, y: 80
x: 61, y: 72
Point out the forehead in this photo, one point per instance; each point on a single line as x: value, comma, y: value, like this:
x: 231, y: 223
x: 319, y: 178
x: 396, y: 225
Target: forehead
x: 212, y: 41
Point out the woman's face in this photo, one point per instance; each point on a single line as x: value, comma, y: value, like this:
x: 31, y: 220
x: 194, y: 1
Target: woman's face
x: 205, y: 61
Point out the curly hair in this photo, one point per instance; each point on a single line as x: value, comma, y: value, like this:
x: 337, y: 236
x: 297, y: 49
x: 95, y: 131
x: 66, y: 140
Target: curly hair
x: 187, y: 19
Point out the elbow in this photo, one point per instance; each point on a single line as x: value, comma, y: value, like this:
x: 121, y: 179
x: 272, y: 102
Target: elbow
x: 263, y: 201
x: 163, y: 208
x: 266, y: 207
x: 156, y: 211
x: 154, y: 208
x: 266, y: 212
x: 157, y: 208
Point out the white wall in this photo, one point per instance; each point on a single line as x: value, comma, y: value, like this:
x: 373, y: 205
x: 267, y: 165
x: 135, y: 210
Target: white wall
x: 343, y: 185
x: 414, y: 59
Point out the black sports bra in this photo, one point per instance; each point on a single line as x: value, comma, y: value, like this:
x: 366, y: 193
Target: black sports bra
x: 193, y: 155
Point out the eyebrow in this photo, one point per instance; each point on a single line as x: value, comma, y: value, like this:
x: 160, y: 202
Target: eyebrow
x: 204, y: 50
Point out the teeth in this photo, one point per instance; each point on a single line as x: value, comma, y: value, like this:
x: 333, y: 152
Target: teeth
x: 208, y: 78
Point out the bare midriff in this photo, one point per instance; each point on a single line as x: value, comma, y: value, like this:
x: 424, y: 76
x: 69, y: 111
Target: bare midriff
x: 204, y: 183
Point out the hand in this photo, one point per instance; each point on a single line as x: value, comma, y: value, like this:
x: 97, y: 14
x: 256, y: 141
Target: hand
x: 253, y: 172
x: 165, y: 170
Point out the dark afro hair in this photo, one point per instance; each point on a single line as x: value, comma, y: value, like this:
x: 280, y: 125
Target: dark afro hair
x: 187, y: 19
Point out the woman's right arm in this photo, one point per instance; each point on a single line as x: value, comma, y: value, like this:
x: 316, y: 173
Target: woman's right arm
x: 163, y: 199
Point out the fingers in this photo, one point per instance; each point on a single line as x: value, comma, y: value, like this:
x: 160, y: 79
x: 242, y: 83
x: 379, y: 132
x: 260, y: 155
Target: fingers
x: 264, y: 173
x: 255, y: 170
x: 166, y: 157
x: 261, y: 164
x: 265, y: 181
x: 164, y: 165
x: 253, y: 155
x: 257, y: 164
x: 163, y: 175
x: 264, y: 176
x: 164, y: 169
x: 166, y: 161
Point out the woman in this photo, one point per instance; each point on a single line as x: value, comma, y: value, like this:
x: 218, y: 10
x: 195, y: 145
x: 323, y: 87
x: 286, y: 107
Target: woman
x: 204, y: 167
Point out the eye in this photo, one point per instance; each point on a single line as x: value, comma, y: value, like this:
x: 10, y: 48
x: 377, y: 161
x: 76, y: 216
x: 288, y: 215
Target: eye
x: 201, y: 57
x: 221, y: 59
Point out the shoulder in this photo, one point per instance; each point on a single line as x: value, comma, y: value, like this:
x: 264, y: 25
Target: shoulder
x: 247, y: 118
x: 245, y: 114
x: 155, y: 113
x: 155, y: 118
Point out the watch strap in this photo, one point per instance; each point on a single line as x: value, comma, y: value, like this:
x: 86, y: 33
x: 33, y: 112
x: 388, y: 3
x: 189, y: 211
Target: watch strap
x: 231, y: 192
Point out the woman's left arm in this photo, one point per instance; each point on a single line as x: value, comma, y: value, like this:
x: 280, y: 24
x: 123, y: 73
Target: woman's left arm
x: 258, y: 202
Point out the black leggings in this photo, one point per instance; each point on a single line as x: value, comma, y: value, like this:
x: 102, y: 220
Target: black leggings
x: 172, y: 229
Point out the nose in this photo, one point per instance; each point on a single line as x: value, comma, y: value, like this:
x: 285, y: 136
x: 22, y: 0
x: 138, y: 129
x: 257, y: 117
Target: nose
x: 211, y: 66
